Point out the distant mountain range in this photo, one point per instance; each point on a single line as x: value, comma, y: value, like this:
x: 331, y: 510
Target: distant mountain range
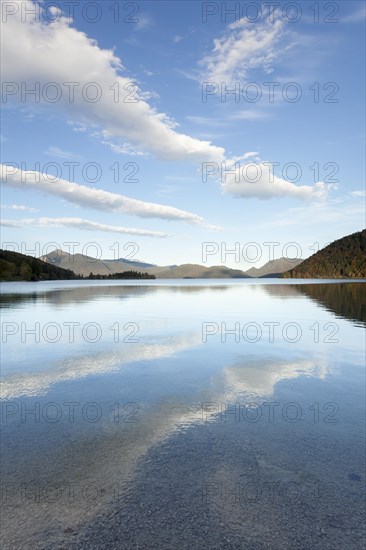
x: 274, y: 268
x: 343, y: 258
x: 84, y: 265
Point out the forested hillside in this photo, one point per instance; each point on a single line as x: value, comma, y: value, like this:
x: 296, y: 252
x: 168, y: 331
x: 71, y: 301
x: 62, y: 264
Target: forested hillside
x: 19, y: 267
x: 344, y: 258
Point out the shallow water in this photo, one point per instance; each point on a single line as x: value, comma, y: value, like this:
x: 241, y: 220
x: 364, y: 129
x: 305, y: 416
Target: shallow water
x: 183, y: 414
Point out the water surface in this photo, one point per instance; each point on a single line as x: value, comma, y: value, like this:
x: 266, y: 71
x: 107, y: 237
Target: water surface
x: 183, y: 414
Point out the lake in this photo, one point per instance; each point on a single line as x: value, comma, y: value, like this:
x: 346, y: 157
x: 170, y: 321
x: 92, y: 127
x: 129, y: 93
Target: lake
x: 183, y: 414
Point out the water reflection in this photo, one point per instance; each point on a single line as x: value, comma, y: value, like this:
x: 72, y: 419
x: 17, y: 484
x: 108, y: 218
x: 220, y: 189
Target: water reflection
x: 86, y: 294
x: 347, y: 300
x: 74, y: 295
x: 256, y: 378
x: 343, y: 299
x: 38, y: 383
x: 181, y: 386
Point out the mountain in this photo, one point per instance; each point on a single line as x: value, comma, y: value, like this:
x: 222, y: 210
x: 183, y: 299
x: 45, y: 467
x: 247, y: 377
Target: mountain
x: 19, y: 267
x: 84, y: 265
x: 131, y: 263
x: 195, y: 271
x: 344, y: 258
x: 274, y: 268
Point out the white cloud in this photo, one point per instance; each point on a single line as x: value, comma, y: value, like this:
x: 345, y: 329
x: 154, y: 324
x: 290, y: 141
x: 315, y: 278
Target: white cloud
x: 56, y: 152
x: 143, y: 22
x: 224, y: 121
x: 358, y: 193
x: 122, y: 148
x: 257, y: 180
x: 39, y: 52
x: 244, y: 46
x: 19, y: 207
x: 249, y: 114
x: 207, y: 121
x: 80, y: 223
x: 177, y: 38
x: 97, y: 199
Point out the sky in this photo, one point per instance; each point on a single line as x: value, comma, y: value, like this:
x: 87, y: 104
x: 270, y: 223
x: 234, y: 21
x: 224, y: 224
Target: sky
x: 171, y: 132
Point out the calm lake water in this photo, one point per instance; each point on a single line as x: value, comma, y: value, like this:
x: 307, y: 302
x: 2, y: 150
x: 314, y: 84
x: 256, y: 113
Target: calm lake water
x: 183, y: 414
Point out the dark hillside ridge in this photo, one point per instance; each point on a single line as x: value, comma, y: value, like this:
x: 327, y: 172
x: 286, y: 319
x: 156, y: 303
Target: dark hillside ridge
x: 344, y: 258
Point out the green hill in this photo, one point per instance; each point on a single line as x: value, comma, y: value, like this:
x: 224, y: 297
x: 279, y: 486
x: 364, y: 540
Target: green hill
x: 19, y: 267
x: 342, y: 259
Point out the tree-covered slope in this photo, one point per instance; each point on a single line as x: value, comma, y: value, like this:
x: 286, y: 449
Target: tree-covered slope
x: 19, y: 267
x: 344, y: 258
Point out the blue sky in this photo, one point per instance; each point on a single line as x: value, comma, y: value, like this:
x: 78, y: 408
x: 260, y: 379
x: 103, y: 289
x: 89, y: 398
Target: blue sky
x: 278, y: 161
